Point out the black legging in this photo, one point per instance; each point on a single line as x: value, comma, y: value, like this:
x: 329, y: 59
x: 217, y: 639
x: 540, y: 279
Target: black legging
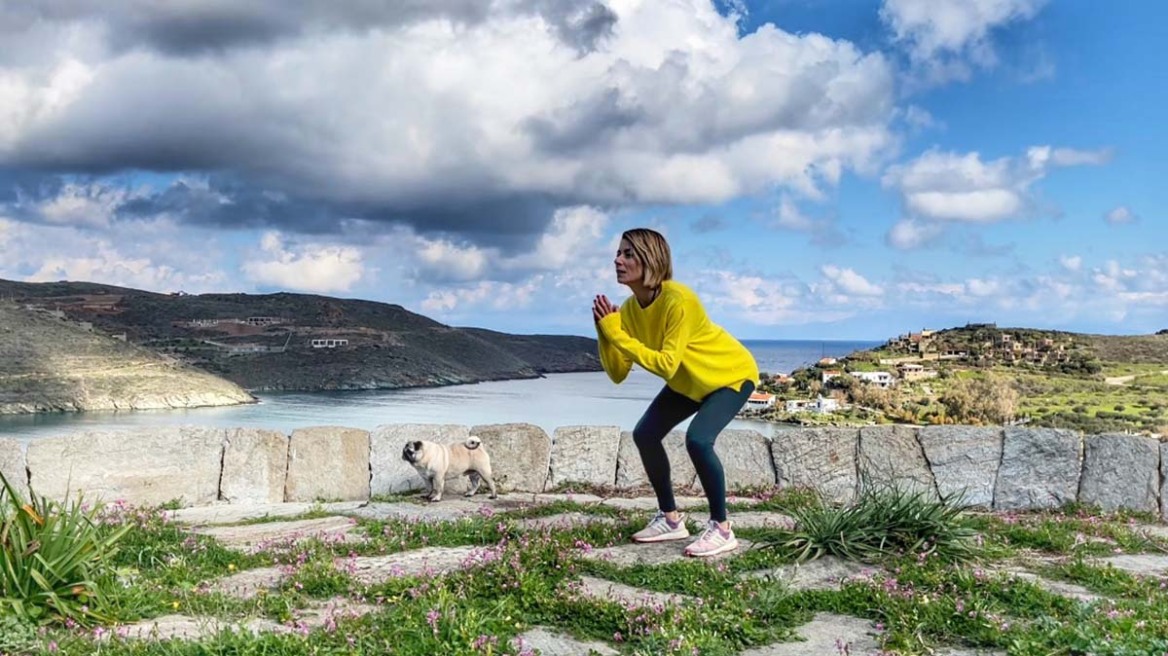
x: 713, y: 414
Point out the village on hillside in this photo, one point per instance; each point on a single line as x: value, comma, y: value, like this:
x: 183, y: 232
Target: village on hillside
x: 974, y: 374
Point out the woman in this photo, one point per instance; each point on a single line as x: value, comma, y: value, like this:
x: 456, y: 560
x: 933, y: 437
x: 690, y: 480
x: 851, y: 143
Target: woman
x: 708, y: 375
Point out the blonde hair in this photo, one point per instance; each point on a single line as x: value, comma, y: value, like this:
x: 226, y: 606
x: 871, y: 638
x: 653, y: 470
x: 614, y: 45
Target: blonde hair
x: 652, y: 250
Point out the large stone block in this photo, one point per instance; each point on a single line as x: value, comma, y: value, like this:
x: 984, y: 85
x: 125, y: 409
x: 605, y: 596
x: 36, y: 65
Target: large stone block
x: 146, y: 466
x: 823, y: 459
x: 520, y: 455
x: 746, y: 459
x: 964, y: 461
x: 584, y: 454
x: 13, y: 465
x: 1121, y: 471
x: 630, y: 473
x: 1040, y: 468
x: 392, y: 475
x: 329, y: 463
x: 1164, y: 478
x: 892, y: 455
x: 255, y: 466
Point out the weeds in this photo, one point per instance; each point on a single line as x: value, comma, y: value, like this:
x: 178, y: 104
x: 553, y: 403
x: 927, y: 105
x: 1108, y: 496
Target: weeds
x: 885, y: 521
x: 55, y: 560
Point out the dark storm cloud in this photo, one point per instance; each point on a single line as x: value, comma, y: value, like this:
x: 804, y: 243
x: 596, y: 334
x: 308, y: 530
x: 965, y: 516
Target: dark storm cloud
x: 580, y: 24
x: 510, y: 223
x: 186, y: 29
x: 591, y: 123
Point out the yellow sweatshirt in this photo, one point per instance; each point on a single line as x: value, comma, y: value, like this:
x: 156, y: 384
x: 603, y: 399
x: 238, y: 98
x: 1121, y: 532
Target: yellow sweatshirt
x: 674, y: 339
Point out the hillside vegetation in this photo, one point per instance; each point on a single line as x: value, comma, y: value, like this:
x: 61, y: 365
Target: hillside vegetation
x: 266, y: 342
x: 982, y: 374
x: 49, y: 365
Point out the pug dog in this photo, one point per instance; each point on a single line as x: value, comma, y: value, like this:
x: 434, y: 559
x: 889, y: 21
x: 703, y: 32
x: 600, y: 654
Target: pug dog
x: 438, y: 462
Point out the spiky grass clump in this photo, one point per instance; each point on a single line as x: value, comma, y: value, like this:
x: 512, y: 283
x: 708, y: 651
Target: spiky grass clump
x: 54, y: 560
x: 884, y: 521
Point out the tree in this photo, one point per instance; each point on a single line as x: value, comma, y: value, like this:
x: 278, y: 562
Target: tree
x: 991, y: 399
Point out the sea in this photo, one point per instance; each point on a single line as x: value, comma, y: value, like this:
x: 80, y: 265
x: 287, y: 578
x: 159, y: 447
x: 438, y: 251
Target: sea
x: 555, y: 400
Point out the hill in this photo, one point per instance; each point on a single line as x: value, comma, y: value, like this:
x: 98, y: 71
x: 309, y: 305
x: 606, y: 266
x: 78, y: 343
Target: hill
x: 307, y: 342
x: 50, y: 365
x: 980, y: 373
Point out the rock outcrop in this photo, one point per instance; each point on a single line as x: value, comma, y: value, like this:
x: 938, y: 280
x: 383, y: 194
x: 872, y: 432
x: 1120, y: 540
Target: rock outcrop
x: 51, y: 365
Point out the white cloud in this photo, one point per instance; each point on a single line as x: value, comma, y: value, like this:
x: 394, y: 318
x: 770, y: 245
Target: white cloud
x: 1121, y: 215
x: 761, y: 300
x: 946, y: 187
x: 946, y: 38
x: 673, y: 105
x: 849, y: 282
x: 496, y: 295
x: 443, y: 260
x: 572, y: 231
x: 1071, y: 262
x: 791, y: 217
x: 142, y: 254
x: 307, y: 267
x: 908, y: 234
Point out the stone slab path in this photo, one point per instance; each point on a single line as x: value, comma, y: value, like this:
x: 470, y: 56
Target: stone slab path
x: 655, y: 553
x: 235, y: 514
x: 627, y: 595
x: 370, y: 570
x: 554, y: 643
x: 1139, y: 564
x: 826, y: 573
x: 249, y: 537
x: 563, y: 521
x: 826, y: 635
x: 256, y: 527
x: 1060, y: 588
x: 185, y: 627
x: 757, y: 519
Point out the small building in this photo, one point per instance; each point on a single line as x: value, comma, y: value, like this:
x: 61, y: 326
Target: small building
x: 877, y: 378
x: 329, y: 343
x: 827, y: 362
x: 829, y: 374
x: 760, y: 401
x: 910, y: 372
x: 819, y: 405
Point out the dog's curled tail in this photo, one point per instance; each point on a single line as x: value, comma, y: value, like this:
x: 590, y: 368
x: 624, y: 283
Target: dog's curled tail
x: 473, y: 442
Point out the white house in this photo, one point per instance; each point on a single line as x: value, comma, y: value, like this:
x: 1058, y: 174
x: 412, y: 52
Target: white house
x: 760, y: 400
x: 821, y: 405
x: 329, y: 343
x: 877, y: 378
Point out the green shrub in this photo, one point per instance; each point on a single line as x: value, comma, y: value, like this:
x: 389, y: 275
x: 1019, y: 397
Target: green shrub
x: 52, y: 557
x: 886, y: 520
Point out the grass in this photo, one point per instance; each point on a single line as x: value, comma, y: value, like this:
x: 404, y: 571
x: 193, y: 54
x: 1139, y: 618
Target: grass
x: 934, y: 584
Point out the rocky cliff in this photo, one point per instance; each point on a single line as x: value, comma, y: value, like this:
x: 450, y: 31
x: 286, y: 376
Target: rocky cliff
x: 50, y: 364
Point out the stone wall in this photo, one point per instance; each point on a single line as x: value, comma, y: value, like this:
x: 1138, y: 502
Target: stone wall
x: 998, y: 468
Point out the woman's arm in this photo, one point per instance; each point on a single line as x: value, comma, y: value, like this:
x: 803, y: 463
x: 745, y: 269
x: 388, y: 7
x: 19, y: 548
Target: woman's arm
x: 664, y: 362
x: 615, y: 363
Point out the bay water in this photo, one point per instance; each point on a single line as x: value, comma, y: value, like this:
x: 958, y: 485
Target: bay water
x: 556, y: 400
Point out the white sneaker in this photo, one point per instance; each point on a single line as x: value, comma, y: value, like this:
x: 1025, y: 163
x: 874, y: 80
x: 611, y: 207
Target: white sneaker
x: 712, y: 541
x: 660, y: 529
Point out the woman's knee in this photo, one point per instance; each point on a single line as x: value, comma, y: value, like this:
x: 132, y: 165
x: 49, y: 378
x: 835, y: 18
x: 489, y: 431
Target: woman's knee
x: 644, y: 436
x: 698, y: 445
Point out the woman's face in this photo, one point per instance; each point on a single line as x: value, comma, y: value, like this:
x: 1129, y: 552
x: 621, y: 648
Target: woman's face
x: 629, y: 269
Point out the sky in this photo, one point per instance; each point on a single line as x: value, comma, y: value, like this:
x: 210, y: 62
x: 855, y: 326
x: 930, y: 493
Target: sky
x: 822, y: 169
